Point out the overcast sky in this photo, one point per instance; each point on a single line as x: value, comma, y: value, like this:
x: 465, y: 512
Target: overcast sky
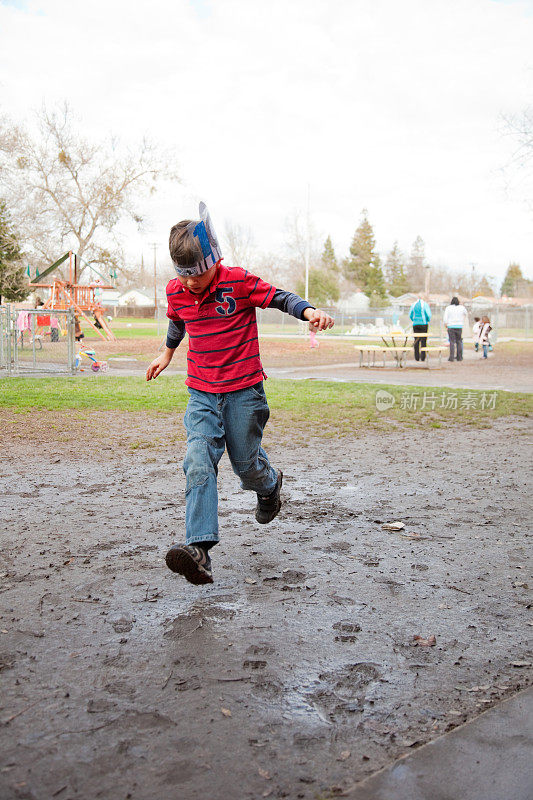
x: 391, y: 105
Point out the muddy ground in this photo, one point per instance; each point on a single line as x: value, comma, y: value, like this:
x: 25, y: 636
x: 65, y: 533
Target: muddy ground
x: 296, y: 674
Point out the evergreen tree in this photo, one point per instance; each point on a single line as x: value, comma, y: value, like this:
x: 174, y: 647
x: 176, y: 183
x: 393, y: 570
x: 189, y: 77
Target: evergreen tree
x: 397, y: 282
x: 329, y: 259
x: 363, y: 267
x: 323, y: 287
x: 483, y: 287
x: 324, y: 280
x: 512, y: 277
x: 13, y: 284
x: 374, y: 287
x: 416, y: 274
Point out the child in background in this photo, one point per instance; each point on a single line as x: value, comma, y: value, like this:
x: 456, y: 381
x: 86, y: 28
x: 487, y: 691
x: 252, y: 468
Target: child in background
x: 78, y: 333
x: 227, y: 406
x: 476, y: 327
x: 483, y: 336
x: 54, y: 329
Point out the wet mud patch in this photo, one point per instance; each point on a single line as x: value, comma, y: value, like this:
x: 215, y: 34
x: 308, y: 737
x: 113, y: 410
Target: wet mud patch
x: 326, y: 648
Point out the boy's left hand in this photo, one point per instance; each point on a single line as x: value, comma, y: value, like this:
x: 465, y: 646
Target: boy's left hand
x: 318, y: 319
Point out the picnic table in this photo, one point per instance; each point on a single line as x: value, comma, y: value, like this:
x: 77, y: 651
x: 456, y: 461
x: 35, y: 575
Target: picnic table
x: 393, y: 344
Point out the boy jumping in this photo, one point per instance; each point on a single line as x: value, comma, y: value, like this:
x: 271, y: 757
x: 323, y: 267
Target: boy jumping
x: 227, y: 407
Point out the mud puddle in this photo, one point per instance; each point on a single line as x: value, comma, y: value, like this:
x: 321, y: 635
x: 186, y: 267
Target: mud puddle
x: 297, y: 673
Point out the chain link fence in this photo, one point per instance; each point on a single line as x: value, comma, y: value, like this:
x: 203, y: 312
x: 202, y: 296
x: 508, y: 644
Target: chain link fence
x: 507, y: 322
x: 36, y: 341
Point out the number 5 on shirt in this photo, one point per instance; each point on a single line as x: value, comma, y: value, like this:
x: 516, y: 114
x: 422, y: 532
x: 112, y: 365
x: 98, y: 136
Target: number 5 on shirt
x: 224, y: 297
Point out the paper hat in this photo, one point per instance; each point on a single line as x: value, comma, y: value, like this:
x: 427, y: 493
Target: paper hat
x: 207, y: 238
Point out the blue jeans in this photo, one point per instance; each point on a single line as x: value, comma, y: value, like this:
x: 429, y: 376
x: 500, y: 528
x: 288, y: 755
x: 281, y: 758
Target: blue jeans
x: 485, y: 351
x: 213, y: 422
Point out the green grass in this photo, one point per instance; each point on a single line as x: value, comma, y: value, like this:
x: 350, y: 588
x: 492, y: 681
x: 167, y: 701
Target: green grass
x: 149, y: 327
x: 132, y: 327
x: 327, y: 406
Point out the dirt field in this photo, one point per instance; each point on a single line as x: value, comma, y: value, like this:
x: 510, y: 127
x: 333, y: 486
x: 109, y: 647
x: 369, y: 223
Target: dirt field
x: 297, y: 673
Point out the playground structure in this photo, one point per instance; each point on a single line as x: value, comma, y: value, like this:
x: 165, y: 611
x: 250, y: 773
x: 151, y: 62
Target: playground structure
x: 69, y: 294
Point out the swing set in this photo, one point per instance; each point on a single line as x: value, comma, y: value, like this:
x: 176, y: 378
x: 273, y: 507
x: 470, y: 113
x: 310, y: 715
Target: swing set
x: 82, y: 299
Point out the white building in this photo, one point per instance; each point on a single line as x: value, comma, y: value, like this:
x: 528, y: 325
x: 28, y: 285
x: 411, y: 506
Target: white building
x: 135, y: 298
x: 358, y: 301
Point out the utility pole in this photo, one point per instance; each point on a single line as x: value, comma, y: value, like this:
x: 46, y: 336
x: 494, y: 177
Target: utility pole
x: 473, y: 278
x: 154, y: 245
x: 427, y: 276
x: 307, y: 243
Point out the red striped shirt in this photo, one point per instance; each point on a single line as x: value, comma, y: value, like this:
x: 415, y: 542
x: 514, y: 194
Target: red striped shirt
x: 223, y: 351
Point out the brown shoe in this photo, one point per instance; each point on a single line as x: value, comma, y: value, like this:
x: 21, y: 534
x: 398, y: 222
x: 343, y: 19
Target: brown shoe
x: 191, y: 561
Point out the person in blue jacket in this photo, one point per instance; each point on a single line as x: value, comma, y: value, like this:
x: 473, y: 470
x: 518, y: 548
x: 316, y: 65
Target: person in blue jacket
x: 420, y: 315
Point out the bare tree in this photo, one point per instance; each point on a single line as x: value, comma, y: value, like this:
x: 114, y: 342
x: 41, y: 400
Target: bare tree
x: 240, y: 244
x: 273, y: 269
x: 518, y: 171
x: 67, y: 192
x: 296, y: 243
x: 520, y: 127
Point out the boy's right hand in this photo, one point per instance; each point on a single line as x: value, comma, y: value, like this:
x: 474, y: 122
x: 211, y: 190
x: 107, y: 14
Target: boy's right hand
x: 158, y: 365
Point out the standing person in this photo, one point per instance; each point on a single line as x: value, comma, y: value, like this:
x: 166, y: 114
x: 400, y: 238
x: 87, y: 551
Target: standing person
x: 54, y: 329
x: 420, y: 315
x: 455, y: 316
x: 78, y: 333
x: 476, y: 327
x: 483, y: 336
x: 227, y: 406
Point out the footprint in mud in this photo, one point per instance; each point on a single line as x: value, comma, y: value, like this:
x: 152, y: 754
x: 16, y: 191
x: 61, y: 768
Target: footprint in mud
x: 185, y: 624
x: 100, y: 706
x: 109, y: 545
x: 193, y: 683
x: 254, y: 664
x: 7, y: 661
x: 120, y: 688
x: 347, y: 631
x: 121, y: 622
x: 336, y: 547
x: 181, y: 772
x: 217, y: 612
x: 342, y: 692
x: 262, y: 687
x: 307, y: 739
x: 341, y: 600
x: 146, y: 720
x: 260, y: 650
x: 294, y: 575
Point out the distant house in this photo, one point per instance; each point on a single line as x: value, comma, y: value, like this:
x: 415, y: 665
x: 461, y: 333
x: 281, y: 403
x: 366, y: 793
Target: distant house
x: 404, y: 300
x: 358, y: 301
x: 135, y: 298
x: 109, y: 297
x: 519, y: 302
x: 444, y: 299
x: 481, y: 301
